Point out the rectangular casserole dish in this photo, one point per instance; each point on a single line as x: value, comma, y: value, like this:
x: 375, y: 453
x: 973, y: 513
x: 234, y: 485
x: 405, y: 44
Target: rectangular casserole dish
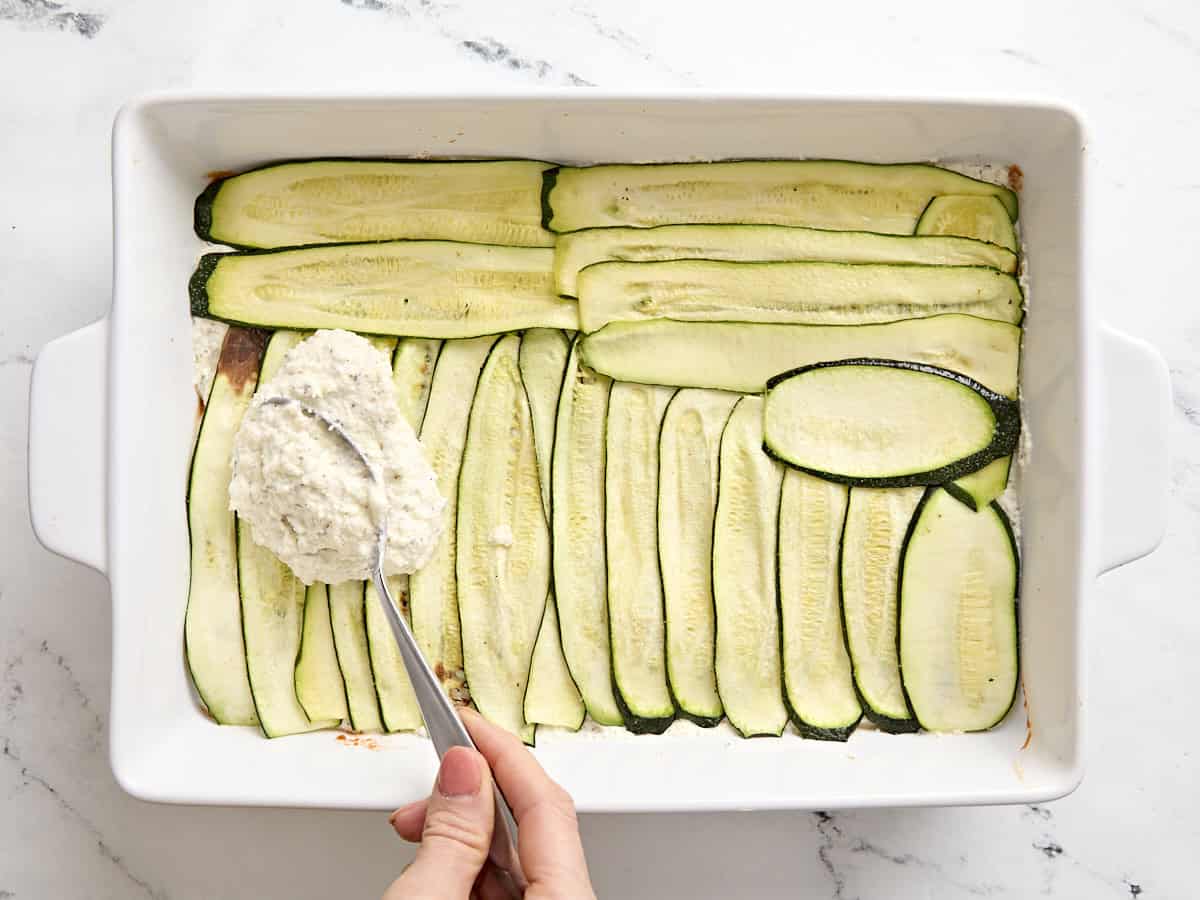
x: 113, y: 412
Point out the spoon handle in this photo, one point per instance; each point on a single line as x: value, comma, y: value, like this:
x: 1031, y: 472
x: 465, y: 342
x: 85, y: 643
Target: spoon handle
x: 446, y: 730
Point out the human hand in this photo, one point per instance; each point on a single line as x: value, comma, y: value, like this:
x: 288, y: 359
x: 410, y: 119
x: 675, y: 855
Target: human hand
x: 454, y: 826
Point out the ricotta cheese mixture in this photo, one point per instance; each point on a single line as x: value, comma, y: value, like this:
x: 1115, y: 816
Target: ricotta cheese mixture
x: 207, y: 337
x: 306, y: 495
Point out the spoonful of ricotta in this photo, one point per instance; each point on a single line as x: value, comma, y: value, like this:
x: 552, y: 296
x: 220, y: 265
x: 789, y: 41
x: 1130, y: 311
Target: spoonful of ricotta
x: 298, y: 462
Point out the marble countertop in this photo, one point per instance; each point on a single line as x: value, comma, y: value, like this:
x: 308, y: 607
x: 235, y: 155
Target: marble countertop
x: 1132, y: 67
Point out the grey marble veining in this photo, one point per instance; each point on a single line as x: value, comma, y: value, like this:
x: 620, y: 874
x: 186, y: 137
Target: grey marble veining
x: 44, y: 14
x: 1130, y: 831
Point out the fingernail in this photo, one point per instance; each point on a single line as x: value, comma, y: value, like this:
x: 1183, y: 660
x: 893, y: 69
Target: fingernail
x: 401, y: 811
x: 459, y: 776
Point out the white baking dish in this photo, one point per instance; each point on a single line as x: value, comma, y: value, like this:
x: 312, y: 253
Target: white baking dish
x: 113, y: 410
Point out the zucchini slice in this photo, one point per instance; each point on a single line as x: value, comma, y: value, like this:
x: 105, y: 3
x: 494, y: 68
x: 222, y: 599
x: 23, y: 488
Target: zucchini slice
x: 543, y: 361
x: 749, y: 674
x: 332, y: 201
x: 319, y: 685
x: 872, y: 538
x: 738, y: 356
x: 816, y: 193
x: 213, y: 642
x: 883, y: 423
x: 503, y: 555
x: 435, y: 289
x: 980, y: 488
x: 804, y: 293
x: 433, y: 590
x: 817, y: 683
x: 577, y: 506
x: 636, y: 621
x: 980, y: 218
x: 348, y: 620
x: 958, y: 615
x: 551, y: 697
x: 398, y: 706
x: 412, y: 373
x: 761, y: 243
x: 689, y: 446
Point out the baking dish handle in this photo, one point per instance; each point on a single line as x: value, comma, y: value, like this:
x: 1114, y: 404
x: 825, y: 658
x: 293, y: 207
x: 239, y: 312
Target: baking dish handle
x: 1134, y: 417
x: 68, y: 453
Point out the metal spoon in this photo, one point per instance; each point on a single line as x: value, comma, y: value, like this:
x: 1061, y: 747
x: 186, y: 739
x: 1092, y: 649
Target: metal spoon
x: 445, y: 728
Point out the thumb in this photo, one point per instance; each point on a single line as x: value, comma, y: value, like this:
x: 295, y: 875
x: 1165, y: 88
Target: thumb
x: 457, y: 831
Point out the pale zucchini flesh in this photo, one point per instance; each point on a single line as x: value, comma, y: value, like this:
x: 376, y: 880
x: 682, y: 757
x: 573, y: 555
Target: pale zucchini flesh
x: 577, y: 250
x: 958, y: 615
x: 738, y: 356
x: 213, y: 642
x: 872, y: 538
x: 577, y: 505
x: 689, y: 449
x: 803, y: 293
x: 319, y: 685
x: 348, y: 620
x: 543, y: 360
x: 884, y: 423
x: 816, y: 193
x: 503, y: 555
x: 979, y: 218
x: 748, y: 668
x: 551, y: 697
x: 636, y: 621
x: 432, y: 289
x: 980, y: 488
x: 330, y: 201
x: 817, y: 683
x: 412, y: 373
x: 433, y: 590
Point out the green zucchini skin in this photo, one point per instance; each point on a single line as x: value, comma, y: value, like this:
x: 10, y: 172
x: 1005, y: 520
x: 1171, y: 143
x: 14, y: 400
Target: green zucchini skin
x: 549, y: 179
x: 702, y: 721
x: 887, y: 724
x: 636, y: 724
x: 202, y: 211
x: 1004, y: 442
x: 198, y: 283
x: 840, y: 735
x: 960, y: 495
x: 1016, y: 553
